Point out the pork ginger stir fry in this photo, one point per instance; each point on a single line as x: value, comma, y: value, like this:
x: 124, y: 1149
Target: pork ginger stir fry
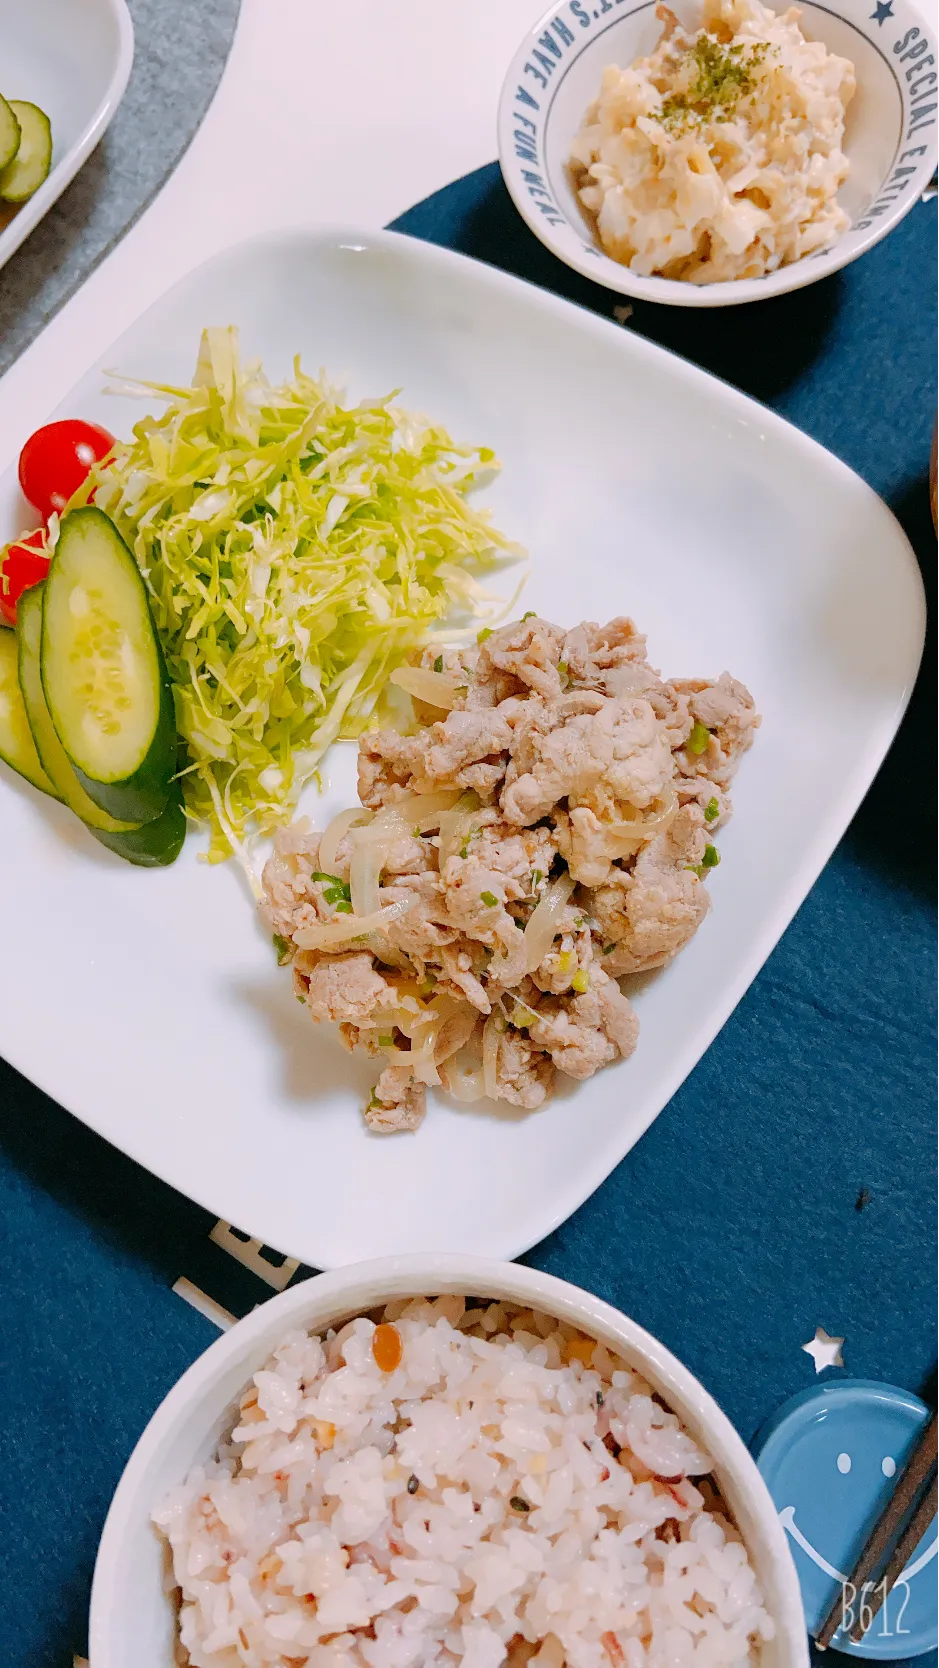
x: 545, y: 830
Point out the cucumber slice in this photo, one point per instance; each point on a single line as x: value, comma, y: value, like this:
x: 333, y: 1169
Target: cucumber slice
x: 9, y: 134
x: 155, y: 844
x: 52, y: 755
x: 32, y: 159
x: 17, y: 747
x: 103, y: 671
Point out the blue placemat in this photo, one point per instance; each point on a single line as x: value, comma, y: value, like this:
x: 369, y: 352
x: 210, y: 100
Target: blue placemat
x: 789, y: 1185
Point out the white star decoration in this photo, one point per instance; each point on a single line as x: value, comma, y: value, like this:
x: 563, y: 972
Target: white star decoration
x: 825, y: 1351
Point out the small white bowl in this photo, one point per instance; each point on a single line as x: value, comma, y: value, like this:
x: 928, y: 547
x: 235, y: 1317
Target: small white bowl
x: 132, y: 1619
x: 890, y: 132
x: 73, y: 61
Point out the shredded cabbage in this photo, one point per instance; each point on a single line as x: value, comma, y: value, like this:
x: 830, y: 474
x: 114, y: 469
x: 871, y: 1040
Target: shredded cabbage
x: 296, y: 551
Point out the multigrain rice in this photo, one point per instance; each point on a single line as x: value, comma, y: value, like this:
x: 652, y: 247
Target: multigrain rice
x: 509, y: 1493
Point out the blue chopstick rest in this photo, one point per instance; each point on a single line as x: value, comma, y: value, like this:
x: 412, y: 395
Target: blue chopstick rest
x: 830, y: 1458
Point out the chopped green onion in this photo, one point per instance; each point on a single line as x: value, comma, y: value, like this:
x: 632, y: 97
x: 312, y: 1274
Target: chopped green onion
x: 520, y: 1018
x: 562, y: 668
x: 438, y: 663
x: 481, y: 636
x: 711, y: 811
x: 581, y: 981
x: 386, y: 1042
x: 567, y: 961
x: 536, y: 877
x: 341, y: 887
x: 489, y: 899
x: 711, y: 857
x: 282, y: 946
x: 698, y: 739
x: 344, y: 907
x: 529, y: 615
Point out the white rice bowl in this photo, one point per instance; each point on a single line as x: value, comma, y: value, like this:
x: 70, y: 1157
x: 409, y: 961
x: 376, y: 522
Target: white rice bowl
x: 507, y: 1490
x: 515, y: 1488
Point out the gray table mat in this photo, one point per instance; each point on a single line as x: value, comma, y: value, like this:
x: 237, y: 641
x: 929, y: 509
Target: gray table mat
x: 180, y: 52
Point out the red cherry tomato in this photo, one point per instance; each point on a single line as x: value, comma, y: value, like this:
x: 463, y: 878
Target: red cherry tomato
x: 23, y: 563
x: 56, y: 460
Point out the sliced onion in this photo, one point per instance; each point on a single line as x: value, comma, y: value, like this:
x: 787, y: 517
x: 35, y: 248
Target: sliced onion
x: 417, y: 810
x: 431, y: 687
x: 364, y: 871
x: 544, y: 922
x: 335, y: 833
x: 509, y: 967
x: 634, y: 833
x: 463, y: 1077
x: 492, y: 1033
x: 456, y: 1029
x: 456, y: 827
x: 386, y: 953
x: 327, y: 933
x: 373, y: 845
x: 423, y: 1051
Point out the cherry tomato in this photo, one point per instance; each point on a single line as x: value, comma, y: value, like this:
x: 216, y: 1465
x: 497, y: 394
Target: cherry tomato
x: 23, y: 563
x: 56, y: 461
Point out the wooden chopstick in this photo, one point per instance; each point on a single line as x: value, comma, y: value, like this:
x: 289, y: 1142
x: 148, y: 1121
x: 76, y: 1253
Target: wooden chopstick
x: 905, y: 1547
x: 909, y: 1484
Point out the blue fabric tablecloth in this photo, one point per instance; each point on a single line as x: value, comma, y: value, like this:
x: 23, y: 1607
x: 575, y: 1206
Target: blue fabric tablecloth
x: 789, y: 1185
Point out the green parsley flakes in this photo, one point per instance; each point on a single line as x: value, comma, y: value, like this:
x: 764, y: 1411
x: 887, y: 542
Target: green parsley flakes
x: 716, y: 77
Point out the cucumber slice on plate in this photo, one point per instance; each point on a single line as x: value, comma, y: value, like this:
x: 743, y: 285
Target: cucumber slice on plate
x: 150, y: 845
x: 52, y: 755
x: 9, y: 134
x: 17, y: 747
x: 154, y: 844
x: 32, y: 159
x: 103, y: 672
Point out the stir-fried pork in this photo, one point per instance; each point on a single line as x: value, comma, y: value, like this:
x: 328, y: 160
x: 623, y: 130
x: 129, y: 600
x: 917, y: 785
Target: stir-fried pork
x: 573, y: 793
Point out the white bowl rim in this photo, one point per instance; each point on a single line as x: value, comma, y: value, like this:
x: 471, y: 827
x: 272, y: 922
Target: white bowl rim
x: 65, y: 170
x: 612, y: 275
x: 359, y: 1286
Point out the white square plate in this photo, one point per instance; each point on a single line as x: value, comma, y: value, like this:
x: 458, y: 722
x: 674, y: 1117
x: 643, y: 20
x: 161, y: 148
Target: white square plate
x: 149, y: 1003
x: 73, y: 60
